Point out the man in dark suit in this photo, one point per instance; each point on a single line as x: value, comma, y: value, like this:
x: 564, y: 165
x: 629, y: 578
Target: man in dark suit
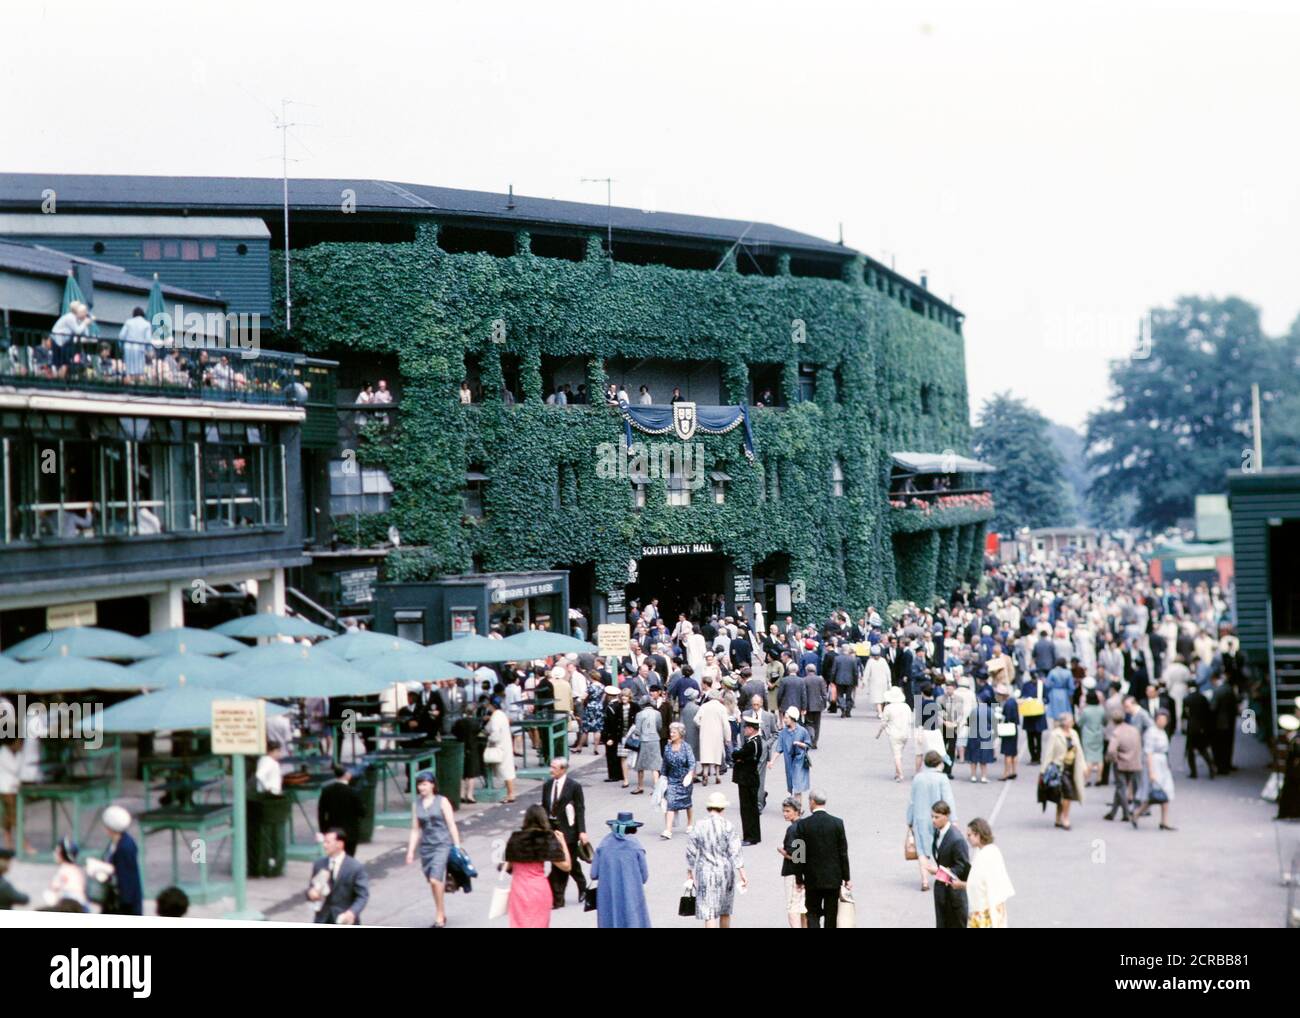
x: 744, y: 772
x: 619, y: 712
x: 1157, y: 700
x: 844, y: 675
x: 817, y: 702
x: 339, y: 883
x: 340, y: 807
x: 1198, y: 726
x: 1224, y: 705
x: 823, y: 867
x: 562, y: 799
x: 903, y: 664
x: 951, y: 852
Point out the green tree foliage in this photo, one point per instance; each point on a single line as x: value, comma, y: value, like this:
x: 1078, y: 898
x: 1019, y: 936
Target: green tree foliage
x: 1030, y: 487
x: 1179, y: 418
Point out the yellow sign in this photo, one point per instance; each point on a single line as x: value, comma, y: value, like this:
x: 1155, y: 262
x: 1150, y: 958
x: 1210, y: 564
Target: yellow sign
x: 613, y: 638
x: 239, y: 727
x: 79, y: 613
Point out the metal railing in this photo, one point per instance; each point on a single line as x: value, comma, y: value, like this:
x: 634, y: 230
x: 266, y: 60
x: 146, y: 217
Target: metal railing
x: 37, y: 358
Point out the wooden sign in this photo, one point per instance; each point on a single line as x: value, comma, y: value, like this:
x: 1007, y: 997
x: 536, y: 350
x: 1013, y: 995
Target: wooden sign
x: 613, y: 638
x: 239, y: 727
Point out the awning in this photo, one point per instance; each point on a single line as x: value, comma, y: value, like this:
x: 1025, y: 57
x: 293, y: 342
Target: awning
x: 719, y: 475
x: 940, y: 463
x: 475, y: 475
x: 638, y: 477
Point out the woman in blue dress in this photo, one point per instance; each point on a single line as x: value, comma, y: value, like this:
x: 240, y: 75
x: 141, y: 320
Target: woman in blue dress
x: 1010, y: 743
x: 793, y: 744
x: 980, y: 743
x: 1060, y: 692
x: 433, y: 833
x: 679, y: 769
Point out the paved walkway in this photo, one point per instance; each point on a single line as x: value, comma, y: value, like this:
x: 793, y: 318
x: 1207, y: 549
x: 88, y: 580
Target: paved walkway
x: 1219, y: 869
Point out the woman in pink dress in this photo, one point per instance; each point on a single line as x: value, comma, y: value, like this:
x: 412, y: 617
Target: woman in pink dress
x: 527, y: 852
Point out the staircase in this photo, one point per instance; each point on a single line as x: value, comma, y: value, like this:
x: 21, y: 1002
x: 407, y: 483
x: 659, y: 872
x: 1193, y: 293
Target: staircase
x: 298, y: 603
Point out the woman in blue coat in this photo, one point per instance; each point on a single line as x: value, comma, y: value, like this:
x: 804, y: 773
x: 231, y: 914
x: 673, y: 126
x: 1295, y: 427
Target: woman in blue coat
x: 928, y: 787
x: 982, y: 738
x: 620, y: 871
x: 1060, y: 691
x: 1010, y: 743
x: 124, y: 857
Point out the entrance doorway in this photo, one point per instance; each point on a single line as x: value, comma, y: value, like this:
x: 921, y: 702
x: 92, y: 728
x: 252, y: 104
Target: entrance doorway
x: 683, y: 583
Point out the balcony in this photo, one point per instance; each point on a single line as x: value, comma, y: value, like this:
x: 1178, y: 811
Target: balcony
x: 31, y: 359
x: 935, y: 510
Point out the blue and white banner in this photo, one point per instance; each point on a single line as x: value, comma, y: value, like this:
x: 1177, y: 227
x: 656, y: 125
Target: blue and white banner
x: 685, y: 419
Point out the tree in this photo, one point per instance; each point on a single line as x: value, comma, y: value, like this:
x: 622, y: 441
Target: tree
x: 1030, y: 488
x: 1180, y: 418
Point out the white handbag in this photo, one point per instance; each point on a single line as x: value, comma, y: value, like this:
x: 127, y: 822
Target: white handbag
x: 500, y: 901
x: 846, y: 918
x: 494, y: 755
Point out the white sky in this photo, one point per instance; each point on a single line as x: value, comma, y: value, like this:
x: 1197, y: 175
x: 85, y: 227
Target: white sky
x: 1057, y: 168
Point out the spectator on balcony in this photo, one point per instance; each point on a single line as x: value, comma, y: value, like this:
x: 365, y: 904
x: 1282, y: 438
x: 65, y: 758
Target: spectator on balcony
x: 104, y: 365
x: 14, y: 361
x: 383, y: 396
x: 507, y: 397
x: 70, y: 330
x: 611, y: 394
x: 557, y: 397
x: 677, y: 395
x: 78, y: 524
x: 645, y: 399
x: 136, y: 337
x: 466, y: 397
x: 45, y: 360
x: 172, y: 370
x: 766, y: 398
x: 580, y: 397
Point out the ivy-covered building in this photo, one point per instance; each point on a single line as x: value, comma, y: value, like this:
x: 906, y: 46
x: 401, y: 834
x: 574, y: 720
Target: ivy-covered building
x: 840, y: 363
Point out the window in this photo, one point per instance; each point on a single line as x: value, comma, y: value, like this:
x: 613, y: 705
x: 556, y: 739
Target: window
x: 927, y: 399
x: 639, y: 484
x: 837, y: 479
x: 185, y: 250
x: 719, y: 480
x: 189, y: 250
x: 679, y: 492
x: 151, y: 250
x: 807, y: 383
x: 472, y: 495
x: 358, y: 491
x: 98, y: 247
x: 209, y: 250
x: 171, y: 249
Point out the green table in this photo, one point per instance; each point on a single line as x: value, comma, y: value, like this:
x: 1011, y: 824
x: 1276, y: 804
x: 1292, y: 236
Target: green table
x: 89, y: 760
x: 71, y: 797
x: 554, y: 732
x: 387, y: 761
x: 200, y: 770
x: 208, y: 821
x: 302, y: 794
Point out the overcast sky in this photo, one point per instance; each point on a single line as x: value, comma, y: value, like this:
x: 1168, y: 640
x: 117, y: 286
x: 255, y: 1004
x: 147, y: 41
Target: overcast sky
x: 1057, y: 168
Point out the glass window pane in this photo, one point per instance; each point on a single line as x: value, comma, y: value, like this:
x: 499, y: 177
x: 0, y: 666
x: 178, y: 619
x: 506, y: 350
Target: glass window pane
x: 151, y: 250
x: 112, y: 495
x: 171, y: 249
x: 189, y: 250
x: 209, y: 249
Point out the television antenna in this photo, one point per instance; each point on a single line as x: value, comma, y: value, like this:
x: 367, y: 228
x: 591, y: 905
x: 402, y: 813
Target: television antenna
x: 283, y: 124
x: 609, y: 183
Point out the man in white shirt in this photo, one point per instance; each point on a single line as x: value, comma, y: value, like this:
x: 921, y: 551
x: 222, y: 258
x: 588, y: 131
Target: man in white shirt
x: 270, y: 781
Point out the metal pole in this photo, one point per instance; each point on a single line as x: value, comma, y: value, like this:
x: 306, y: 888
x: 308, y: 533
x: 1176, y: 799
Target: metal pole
x: 1255, y: 426
x: 239, y: 842
x: 284, y: 162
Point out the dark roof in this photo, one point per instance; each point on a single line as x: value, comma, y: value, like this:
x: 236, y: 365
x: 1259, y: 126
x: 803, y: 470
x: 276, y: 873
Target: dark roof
x: 86, y: 192
x: 44, y: 261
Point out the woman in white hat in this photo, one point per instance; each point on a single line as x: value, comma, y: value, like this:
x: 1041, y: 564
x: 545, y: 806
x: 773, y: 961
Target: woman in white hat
x: 878, y: 680
x: 713, y: 862
x: 897, y: 717
x: 793, y: 744
x: 124, y: 857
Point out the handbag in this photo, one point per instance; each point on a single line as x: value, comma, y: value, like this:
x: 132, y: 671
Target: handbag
x: 909, y: 846
x: 846, y: 916
x: 686, y: 904
x: 589, y: 899
x: 632, y: 742
x: 1157, y: 795
x: 1006, y: 729
x: 1032, y: 707
x: 500, y: 901
x: 494, y: 756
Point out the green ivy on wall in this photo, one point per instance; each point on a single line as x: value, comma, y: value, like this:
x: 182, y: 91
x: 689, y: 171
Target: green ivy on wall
x: 545, y: 505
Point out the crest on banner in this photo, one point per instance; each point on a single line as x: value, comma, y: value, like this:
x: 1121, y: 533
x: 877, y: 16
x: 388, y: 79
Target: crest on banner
x: 684, y: 421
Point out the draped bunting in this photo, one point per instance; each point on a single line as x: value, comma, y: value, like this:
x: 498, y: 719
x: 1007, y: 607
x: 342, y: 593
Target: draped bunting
x: 684, y: 419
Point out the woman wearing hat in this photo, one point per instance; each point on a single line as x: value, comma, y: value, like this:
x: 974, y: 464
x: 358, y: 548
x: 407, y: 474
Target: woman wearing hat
x: 713, y: 861
x: 647, y: 727
x: 981, y: 733
x: 433, y: 832
x: 878, y: 680
x: 793, y: 744
x: 621, y: 870
x: 1010, y: 715
x: 69, y: 883
x: 897, y: 718
x: 124, y: 857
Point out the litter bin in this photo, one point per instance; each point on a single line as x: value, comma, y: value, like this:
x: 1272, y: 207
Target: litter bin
x: 365, y: 784
x: 450, y: 769
x: 268, y: 818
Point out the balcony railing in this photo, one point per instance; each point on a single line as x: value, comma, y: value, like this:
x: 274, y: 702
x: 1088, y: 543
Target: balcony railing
x: 34, y: 358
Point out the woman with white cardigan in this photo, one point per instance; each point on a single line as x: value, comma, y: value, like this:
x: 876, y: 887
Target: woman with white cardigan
x: 987, y: 885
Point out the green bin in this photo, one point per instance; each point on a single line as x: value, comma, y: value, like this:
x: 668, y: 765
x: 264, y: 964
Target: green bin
x: 450, y: 769
x: 268, y: 819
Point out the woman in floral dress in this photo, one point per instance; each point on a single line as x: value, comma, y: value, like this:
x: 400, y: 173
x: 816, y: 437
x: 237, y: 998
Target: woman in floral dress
x: 679, y: 768
x: 593, y: 716
x: 713, y: 862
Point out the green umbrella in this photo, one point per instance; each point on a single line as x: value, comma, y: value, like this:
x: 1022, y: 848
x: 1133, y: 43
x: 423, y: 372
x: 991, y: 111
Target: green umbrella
x: 270, y: 624
x: 537, y: 643
x: 71, y: 292
x: 74, y: 675
x: 81, y: 641
x: 196, y: 669
x: 361, y: 643
x: 479, y: 649
x: 420, y: 667
x: 308, y: 678
x: 184, y: 640
x: 178, y: 709
x: 156, y: 307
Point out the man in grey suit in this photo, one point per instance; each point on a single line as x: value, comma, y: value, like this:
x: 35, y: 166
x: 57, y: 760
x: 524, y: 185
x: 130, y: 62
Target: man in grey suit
x: 339, y: 884
x: 792, y: 691
x: 815, y: 684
